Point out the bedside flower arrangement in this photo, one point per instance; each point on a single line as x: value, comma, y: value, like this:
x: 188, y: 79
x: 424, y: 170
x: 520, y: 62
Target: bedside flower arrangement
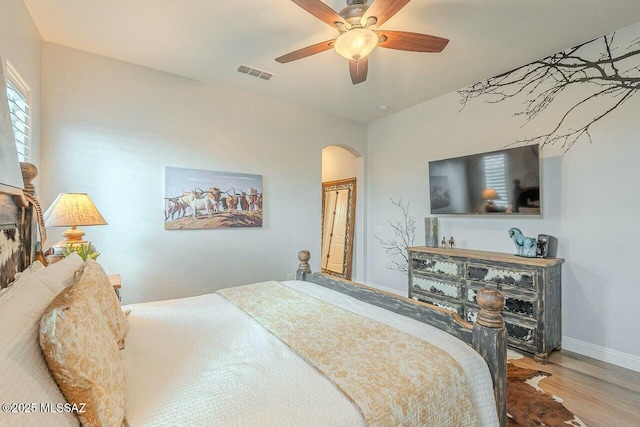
x: 85, y: 251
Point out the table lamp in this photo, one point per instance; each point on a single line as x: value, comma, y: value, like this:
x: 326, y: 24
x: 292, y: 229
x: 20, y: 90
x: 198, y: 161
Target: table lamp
x: 72, y: 210
x: 490, y: 194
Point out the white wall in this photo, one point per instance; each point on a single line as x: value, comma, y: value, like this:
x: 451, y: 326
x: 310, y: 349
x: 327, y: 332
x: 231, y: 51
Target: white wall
x: 21, y: 45
x: 590, y: 199
x: 111, y: 128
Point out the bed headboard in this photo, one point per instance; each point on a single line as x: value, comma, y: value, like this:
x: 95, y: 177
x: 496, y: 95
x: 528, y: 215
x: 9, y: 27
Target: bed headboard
x: 20, y: 222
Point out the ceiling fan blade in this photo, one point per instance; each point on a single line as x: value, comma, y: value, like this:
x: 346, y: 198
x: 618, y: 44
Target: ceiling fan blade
x: 306, y: 51
x: 358, y: 70
x: 323, y: 12
x: 415, y: 42
x: 382, y: 10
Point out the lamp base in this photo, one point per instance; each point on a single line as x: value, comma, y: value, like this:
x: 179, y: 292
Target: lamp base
x: 74, y: 236
x: 492, y: 207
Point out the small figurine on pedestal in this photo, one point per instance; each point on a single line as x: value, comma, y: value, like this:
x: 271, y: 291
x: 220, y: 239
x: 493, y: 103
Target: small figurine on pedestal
x: 452, y: 243
x: 444, y: 242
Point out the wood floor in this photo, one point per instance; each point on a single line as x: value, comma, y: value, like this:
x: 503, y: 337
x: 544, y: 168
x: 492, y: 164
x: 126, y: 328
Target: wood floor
x: 600, y: 394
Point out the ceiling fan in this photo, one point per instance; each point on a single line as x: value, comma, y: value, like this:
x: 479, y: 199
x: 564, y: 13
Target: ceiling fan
x: 359, y: 34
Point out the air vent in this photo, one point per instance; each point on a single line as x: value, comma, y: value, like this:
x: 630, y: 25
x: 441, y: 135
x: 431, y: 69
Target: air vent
x: 254, y: 72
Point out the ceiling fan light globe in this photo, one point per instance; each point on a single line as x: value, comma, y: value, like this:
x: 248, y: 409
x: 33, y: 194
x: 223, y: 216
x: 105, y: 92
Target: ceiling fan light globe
x: 356, y: 43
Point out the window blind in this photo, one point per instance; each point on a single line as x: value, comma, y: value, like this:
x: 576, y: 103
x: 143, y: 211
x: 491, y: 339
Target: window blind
x: 20, y: 117
x: 495, y: 170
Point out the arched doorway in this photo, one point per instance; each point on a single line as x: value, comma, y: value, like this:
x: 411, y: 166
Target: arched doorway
x: 341, y: 163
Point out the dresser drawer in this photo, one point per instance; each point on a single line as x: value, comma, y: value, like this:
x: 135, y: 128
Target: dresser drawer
x: 502, y: 275
x: 432, y: 285
x: 518, y: 330
x: 438, y: 302
x: 516, y: 301
x: 432, y: 264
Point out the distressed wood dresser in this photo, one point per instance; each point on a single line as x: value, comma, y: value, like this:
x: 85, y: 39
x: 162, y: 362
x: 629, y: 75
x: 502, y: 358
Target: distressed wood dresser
x: 532, y: 287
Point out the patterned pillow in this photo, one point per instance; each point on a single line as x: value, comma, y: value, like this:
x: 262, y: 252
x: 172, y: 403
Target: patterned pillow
x: 84, y: 358
x: 93, y: 284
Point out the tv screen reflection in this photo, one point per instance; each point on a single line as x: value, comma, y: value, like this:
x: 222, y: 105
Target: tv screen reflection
x: 499, y: 182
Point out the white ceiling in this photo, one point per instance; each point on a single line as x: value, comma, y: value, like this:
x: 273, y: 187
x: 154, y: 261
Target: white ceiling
x: 208, y: 39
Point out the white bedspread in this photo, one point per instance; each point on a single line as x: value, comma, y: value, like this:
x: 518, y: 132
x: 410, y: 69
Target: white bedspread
x: 201, y: 361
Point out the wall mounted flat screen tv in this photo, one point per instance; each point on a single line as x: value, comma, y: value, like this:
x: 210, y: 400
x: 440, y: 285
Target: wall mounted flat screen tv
x: 504, y: 182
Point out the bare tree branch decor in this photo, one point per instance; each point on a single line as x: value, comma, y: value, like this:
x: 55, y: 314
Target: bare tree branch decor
x: 404, y: 233
x: 612, y: 72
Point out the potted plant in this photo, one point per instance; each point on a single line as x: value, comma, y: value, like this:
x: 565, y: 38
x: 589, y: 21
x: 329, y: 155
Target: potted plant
x: 85, y: 251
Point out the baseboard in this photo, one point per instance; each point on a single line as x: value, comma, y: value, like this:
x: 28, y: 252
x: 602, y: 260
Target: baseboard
x: 608, y: 355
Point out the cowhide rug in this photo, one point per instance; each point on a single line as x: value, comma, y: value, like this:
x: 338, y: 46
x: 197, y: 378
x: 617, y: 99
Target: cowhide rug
x: 530, y: 406
x: 9, y: 252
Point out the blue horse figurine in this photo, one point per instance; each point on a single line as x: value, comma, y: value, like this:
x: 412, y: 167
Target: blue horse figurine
x: 525, y: 246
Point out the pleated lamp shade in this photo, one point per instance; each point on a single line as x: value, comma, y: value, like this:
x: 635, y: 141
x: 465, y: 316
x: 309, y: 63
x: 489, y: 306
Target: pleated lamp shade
x: 73, y: 210
x: 490, y: 194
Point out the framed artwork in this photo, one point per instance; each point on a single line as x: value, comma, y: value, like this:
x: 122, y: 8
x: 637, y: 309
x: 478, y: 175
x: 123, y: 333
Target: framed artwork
x: 196, y: 198
x: 10, y: 176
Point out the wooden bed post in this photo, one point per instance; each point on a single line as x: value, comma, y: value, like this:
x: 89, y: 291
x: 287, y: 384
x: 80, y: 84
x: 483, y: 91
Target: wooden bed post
x: 32, y: 220
x: 303, y: 267
x: 490, y: 340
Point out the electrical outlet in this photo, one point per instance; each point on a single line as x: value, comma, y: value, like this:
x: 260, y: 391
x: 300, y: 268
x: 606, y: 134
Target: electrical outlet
x: 289, y: 276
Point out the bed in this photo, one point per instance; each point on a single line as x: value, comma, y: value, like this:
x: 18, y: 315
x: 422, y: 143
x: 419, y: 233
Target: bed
x: 318, y: 350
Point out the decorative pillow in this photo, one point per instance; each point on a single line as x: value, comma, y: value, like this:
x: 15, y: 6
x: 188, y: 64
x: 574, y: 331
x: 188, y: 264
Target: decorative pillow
x: 84, y: 358
x: 59, y: 275
x: 33, y: 268
x: 94, y: 284
x: 24, y: 376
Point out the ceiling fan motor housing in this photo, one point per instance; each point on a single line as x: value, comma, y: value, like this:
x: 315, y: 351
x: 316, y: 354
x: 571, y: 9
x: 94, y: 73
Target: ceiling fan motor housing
x: 354, y: 11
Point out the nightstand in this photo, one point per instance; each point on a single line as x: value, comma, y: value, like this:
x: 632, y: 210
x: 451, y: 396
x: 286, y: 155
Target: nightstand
x: 115, y: 282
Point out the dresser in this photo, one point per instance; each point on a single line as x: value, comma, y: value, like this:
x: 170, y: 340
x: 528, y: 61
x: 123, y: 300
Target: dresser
x: 532, y: 287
